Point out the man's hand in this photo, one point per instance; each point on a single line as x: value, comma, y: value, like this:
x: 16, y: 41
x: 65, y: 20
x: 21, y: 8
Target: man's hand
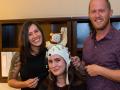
x: 93, y: 70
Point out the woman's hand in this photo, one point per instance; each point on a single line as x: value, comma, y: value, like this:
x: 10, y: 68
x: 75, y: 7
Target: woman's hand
x: 76, y: 61
x: 31, y: 83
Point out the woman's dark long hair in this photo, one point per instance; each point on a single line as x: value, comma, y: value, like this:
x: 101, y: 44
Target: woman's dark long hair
x: 25, y: 47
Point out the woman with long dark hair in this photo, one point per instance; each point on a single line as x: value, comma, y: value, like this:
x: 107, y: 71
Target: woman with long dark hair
x: 30, y: 62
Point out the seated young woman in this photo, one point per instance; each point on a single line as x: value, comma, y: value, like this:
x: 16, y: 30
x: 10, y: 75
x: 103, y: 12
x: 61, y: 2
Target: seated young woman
x: 62, y: 74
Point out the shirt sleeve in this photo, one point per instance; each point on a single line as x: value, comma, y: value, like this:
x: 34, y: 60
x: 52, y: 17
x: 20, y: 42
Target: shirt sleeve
x: 15, y: 67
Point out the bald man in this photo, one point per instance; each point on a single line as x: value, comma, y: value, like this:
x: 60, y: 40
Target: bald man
x: 101, y: 51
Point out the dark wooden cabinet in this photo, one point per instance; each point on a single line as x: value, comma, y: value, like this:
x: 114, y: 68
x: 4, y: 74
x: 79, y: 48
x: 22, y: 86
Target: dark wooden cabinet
x: 81, y: 30
x: 78, y: 28
x: 9, y: 32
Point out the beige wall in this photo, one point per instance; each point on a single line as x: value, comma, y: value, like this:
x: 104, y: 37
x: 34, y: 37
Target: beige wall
x: 16, y: 9
x: 19, y: 9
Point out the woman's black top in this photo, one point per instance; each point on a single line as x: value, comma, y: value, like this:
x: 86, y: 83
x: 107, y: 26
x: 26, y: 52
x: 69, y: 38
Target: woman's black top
x: 36, y: 66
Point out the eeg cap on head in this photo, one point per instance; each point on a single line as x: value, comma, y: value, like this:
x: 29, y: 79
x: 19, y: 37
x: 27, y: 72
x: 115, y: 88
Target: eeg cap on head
x: 60, y: 50
x: 63, y: 52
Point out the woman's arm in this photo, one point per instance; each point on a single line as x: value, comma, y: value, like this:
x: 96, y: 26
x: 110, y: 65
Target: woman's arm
x: 13, y: 77
x: 14, y: 71
x: 30, y: 83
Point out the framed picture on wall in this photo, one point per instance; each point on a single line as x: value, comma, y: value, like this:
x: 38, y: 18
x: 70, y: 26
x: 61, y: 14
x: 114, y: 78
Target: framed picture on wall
x: 6, y: 58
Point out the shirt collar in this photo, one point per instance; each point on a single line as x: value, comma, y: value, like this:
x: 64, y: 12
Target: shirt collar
x: 108, y: 36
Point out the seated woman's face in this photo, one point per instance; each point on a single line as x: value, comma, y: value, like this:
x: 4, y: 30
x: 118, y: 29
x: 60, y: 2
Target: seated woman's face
x: 56, y: 65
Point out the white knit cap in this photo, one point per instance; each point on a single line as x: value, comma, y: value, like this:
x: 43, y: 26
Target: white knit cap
x: 63, y: 52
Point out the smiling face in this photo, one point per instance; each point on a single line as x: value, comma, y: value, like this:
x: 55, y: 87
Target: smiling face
x: 34, y: 36
x: 99, y: 13
x: 56, y: 65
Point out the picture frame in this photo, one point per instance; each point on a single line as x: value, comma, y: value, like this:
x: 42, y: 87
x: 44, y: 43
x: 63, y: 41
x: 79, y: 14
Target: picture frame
x: 6, y: 58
